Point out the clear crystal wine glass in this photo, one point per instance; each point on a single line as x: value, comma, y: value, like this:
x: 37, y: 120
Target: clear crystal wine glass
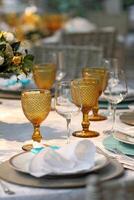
x: 115, y: 92
x: 64, y: 105
x: 36, y: 105
x: 112, y: 65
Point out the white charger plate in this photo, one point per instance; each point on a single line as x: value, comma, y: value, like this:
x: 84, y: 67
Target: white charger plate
x: 113, y: 170
x: 20, y: 162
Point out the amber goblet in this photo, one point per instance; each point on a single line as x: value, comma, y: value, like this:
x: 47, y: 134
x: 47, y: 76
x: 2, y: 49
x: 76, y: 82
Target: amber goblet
x: 85, y: 93
x: 44, y: 75
x: 36, y: 105
x: 44, y: 72
x: 102, y: 75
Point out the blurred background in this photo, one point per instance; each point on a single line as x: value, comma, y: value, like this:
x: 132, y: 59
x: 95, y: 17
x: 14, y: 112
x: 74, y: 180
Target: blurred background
x: 43, y: 22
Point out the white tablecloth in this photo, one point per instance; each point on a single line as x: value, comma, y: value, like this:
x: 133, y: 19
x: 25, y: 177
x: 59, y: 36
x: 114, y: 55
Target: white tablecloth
x: 15, y: 129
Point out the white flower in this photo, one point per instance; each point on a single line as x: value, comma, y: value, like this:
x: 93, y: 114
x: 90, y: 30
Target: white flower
x: 9, y: 37
x: 1, y: 60
x: 24, y: 45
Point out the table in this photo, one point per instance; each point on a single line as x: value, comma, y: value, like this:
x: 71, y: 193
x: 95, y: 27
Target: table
x: 15, y: 129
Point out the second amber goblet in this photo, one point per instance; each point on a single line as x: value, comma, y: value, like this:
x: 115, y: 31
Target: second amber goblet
x: 44, y: 72
x: 44, y: 75
x: 85, y: 94
x: 36, y: 105
x: 102, y: 75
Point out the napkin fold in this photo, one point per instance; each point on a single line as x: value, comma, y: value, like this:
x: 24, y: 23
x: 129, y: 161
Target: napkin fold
x: 71, y: 158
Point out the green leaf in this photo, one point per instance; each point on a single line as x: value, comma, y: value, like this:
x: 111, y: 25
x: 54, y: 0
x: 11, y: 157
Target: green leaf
x: 15, y: 46
x: 2, y: 39
x: 1, y: 53
x: 2, y: 47
x: 28, y: 57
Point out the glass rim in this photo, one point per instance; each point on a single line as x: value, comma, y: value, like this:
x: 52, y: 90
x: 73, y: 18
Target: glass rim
x: 85, y: 80
x: 36, y: 90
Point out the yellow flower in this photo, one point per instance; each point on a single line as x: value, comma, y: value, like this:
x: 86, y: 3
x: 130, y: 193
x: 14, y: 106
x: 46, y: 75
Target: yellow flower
x: 16, y: 60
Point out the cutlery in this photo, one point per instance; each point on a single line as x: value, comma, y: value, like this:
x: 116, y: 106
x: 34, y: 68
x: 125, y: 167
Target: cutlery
x: 125, y: 160
x: 117, y: 151
x: 99, y: 150
x: 6, y: 189
x: 128, y: 167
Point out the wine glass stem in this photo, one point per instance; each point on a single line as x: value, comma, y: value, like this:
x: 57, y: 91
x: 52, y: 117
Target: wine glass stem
x: 85, y: 122
x: 37, y: 135
x: 109, y: 108
x: 68, y: 120
x: 114, y: 115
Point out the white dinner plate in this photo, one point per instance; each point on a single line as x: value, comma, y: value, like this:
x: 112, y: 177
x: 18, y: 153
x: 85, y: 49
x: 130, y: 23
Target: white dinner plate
x: 127, y: 118
x: 20, y: 162
x: 122, y: 137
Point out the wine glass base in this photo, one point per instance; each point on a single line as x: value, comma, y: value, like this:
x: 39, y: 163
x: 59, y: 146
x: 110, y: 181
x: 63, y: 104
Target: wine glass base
x: 27, y: 147
x: 85, y: 134
x: 108, y: 132
x: 97, y: 118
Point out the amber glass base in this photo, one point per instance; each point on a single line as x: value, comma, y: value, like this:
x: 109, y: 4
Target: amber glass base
x: 85, y: 134
x: 97, y: 118
x: 27, y: 147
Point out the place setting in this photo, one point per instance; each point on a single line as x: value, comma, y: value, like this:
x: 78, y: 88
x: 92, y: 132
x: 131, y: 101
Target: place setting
x: 57, y: 169
x: 60, y: 166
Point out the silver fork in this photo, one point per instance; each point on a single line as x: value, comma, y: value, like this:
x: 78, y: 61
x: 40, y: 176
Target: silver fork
x: 99, y: 150
x: 124, y: 159
x: 6, y: 188
x: 117, y: 151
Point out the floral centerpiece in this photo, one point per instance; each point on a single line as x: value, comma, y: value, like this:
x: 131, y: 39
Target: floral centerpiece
x: 13, y: 58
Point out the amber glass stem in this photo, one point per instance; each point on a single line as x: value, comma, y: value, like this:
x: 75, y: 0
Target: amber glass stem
x: 85, y: 123
x: 95, y: 109
x: 37, y: 135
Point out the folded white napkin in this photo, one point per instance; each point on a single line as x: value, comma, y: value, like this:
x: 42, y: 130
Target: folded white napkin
x: 70, y: 158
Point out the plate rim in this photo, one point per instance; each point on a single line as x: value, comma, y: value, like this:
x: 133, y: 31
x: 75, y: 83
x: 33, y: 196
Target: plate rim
x: 76, y: 182
x: 111, y: 148
x: 125, y: 120
x: 115, y: 135
x: 10, y: 94
x: 93, y: 169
